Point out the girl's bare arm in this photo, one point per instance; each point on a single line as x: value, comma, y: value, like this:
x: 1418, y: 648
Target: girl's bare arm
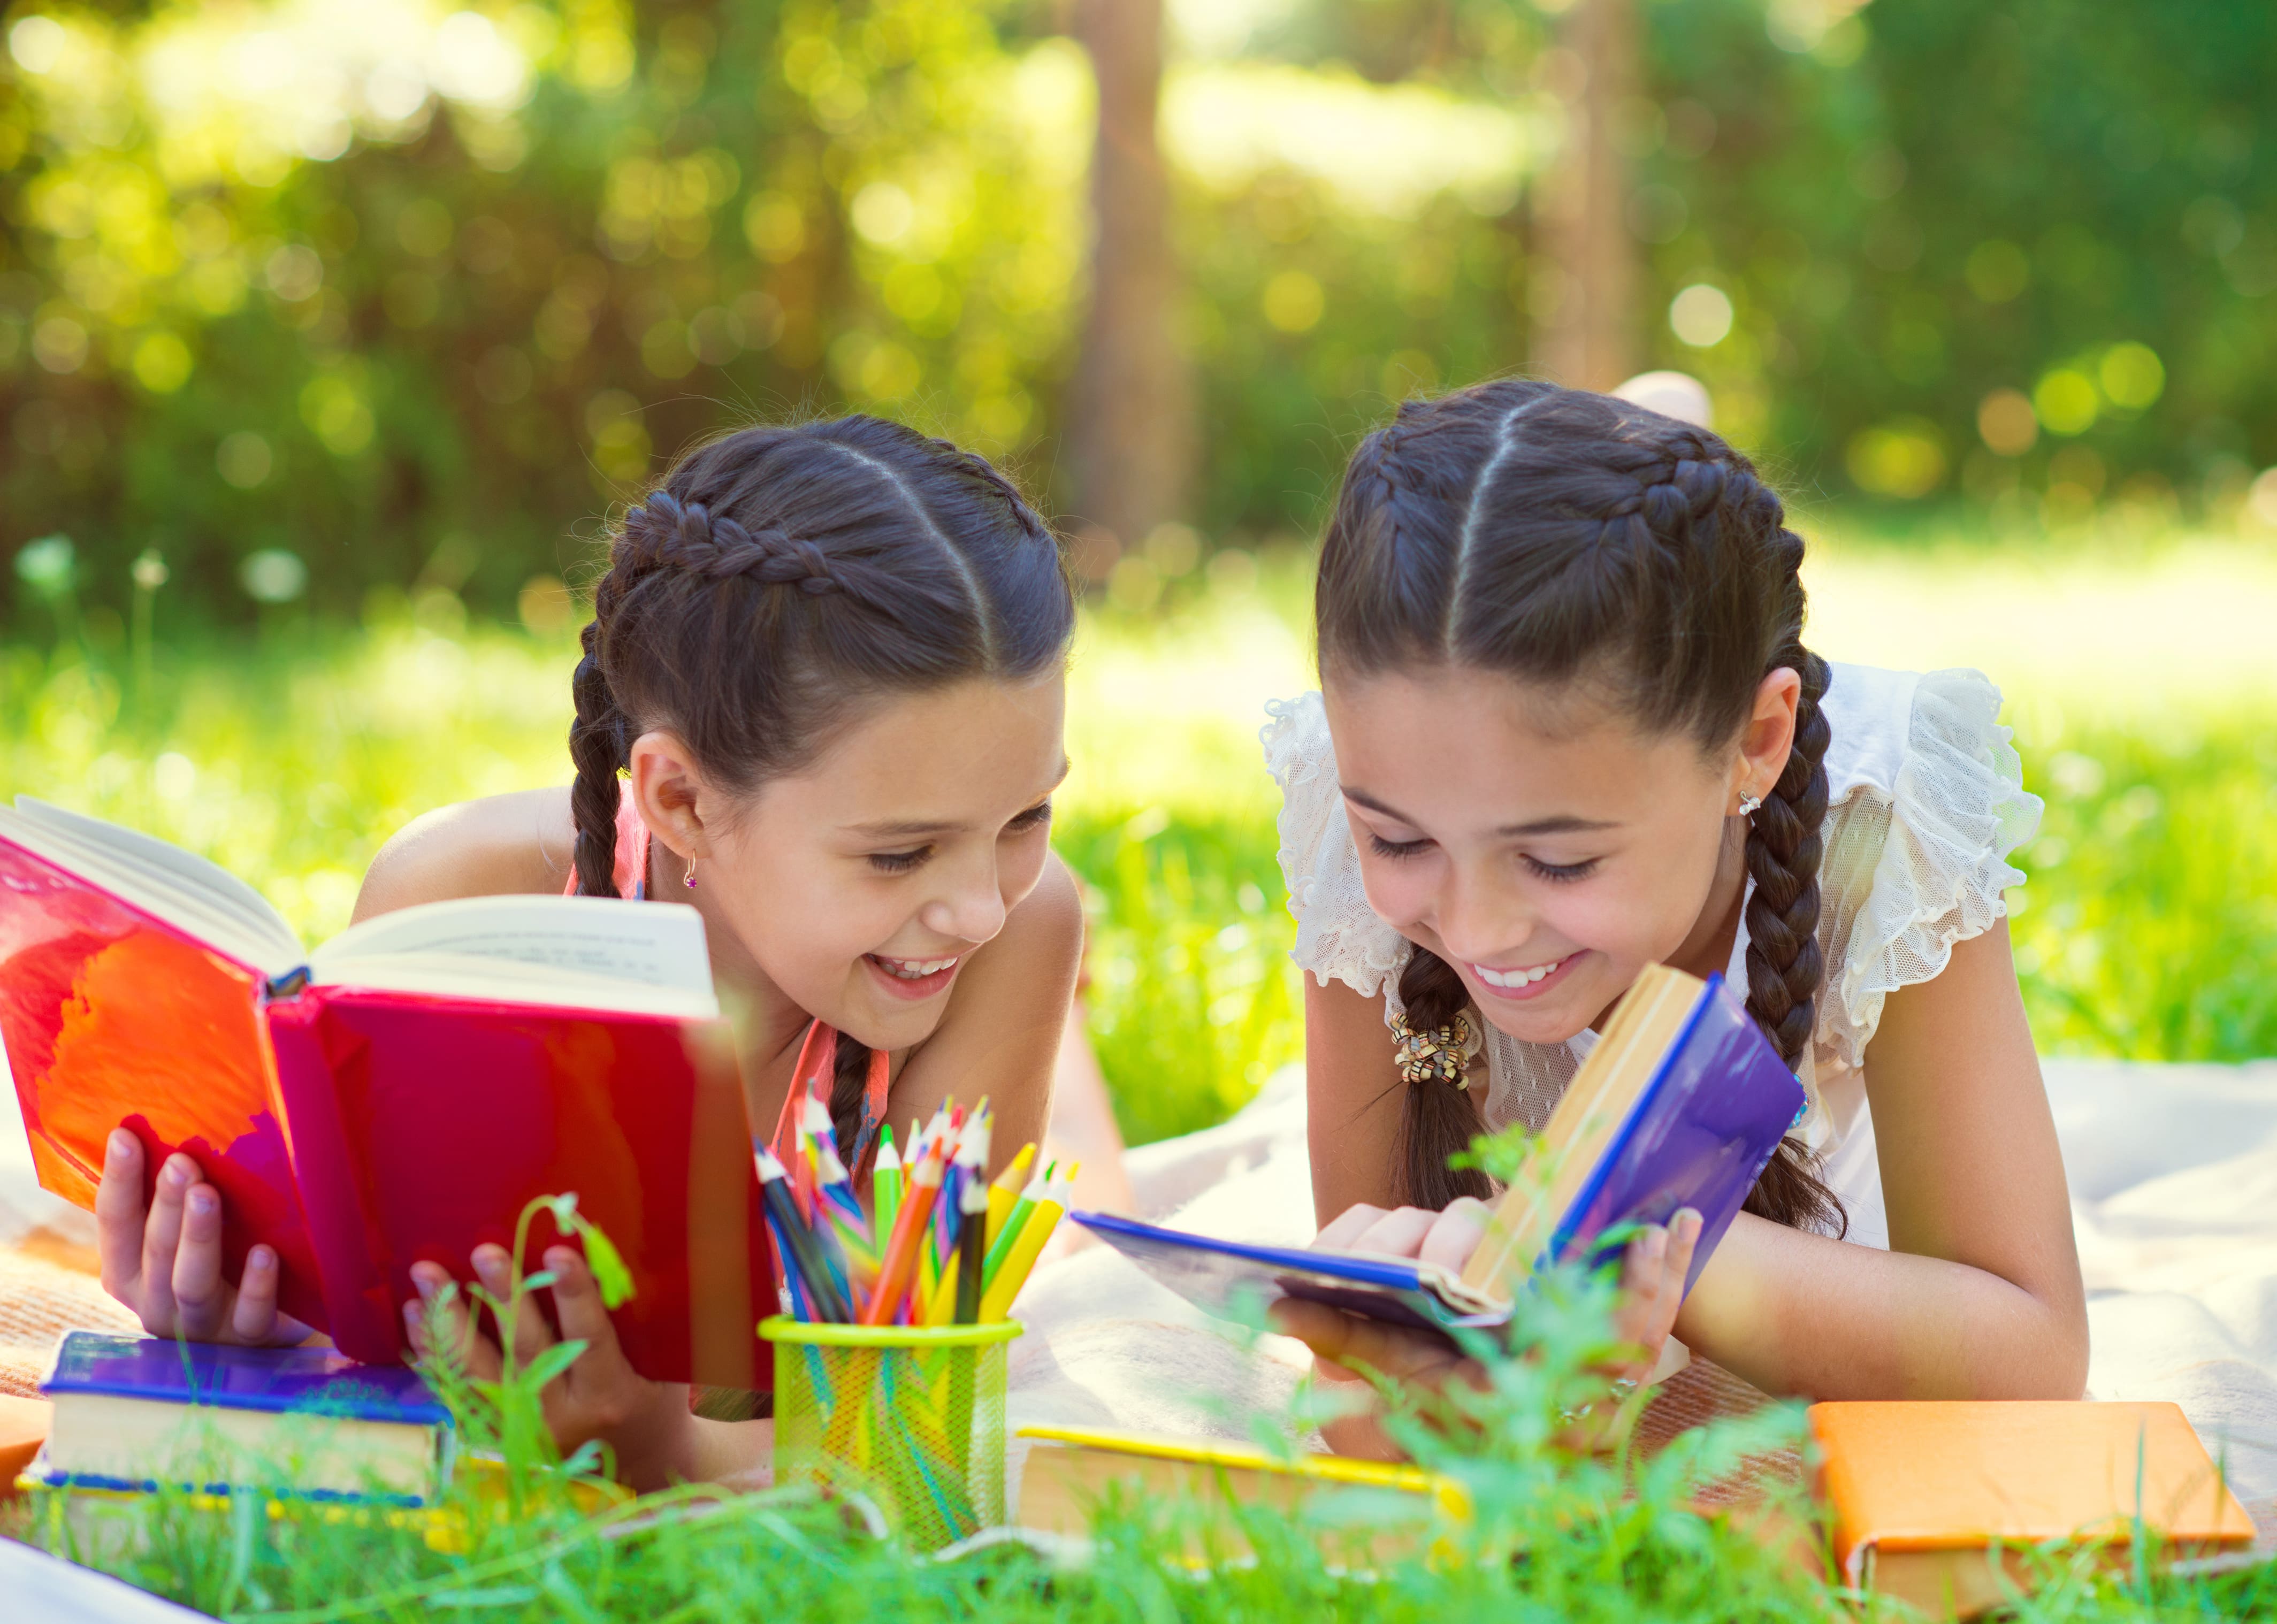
x: 1354, y: 1094
x: 1979, y: 1296
x: 496, y: 847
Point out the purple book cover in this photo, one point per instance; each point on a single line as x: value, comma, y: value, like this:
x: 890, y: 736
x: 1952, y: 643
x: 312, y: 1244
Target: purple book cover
x: 1699, y: 1134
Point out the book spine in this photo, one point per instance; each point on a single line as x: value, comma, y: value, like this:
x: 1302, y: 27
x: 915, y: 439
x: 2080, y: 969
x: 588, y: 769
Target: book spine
x: 1581, y: 1221
x: 348, y: 1248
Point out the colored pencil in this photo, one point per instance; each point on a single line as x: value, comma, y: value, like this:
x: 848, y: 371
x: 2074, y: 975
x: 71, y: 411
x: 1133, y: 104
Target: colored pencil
x: 1014, y: 1274
x: 798, y: 1240
x: 835, y: 1200
x: 1005, y: 1193
x: 885, y: 1181
x: 972, y: 1252
x: 912, y: 1226
x: 1015, y: 1221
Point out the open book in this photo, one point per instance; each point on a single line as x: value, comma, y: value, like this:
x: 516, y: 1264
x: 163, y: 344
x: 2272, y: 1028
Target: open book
x: 395, y: 1094
x: 1681, y: 1103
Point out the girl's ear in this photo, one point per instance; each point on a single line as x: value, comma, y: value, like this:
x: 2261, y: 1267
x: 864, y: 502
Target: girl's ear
x: 675, y: 798
x: 1769, y: 735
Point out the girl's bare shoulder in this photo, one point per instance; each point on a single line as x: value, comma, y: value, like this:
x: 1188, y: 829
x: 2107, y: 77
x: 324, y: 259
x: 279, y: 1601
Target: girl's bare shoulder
x: 490, y: 847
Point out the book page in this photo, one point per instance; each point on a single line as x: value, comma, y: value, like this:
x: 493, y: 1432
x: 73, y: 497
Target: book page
x: 197, y: 896
x: 510, y: 981
x: 594, y: 939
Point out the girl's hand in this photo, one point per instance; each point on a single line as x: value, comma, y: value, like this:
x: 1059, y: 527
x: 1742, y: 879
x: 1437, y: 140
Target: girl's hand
x: 599, y: 1396
x: 1340, y: 1341
x: 165, y: 1263
x: 1652, y: 1291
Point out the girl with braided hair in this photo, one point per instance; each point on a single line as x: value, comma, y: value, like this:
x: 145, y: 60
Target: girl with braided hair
x: 821, y: 702
x: 1569, y: 728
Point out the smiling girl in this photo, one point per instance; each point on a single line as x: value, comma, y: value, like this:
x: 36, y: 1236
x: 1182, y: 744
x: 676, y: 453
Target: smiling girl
x: 820, y: 703
x: 1568, y: 729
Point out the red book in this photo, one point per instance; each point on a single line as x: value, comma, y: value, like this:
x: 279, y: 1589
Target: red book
x: 400, y: 1093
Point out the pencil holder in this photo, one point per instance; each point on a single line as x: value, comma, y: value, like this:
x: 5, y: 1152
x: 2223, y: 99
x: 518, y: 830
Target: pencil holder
x: 911, y: 1416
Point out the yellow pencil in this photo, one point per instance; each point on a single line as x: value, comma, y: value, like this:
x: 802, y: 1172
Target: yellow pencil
x: 1004, y: 1195
x: 1014, y: 1273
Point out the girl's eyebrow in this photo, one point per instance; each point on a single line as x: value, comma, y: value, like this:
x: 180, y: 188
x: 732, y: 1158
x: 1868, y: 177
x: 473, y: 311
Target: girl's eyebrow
x: 1563, y: 824
x: 922, y: 828
x: 909, y: 830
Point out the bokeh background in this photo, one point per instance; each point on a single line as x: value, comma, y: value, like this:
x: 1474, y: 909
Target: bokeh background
x: 332, y: 331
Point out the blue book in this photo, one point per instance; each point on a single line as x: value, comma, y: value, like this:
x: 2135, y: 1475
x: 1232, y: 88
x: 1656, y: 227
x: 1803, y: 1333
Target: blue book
x: 1682, y: 1102
x: 132, y: 1412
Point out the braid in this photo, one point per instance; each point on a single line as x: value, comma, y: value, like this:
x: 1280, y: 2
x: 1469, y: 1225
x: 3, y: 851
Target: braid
x: 669, y: 534
x: 1436, y: 1119
x: 1785, y: 967
x: 596, y: 745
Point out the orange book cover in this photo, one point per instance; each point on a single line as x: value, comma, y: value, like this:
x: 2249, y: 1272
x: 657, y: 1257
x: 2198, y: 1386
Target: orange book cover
x: 397, y: 1095
x: 1917, y: 1490
x: 109, y: 1015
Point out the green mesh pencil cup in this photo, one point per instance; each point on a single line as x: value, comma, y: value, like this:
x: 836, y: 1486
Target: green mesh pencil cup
x: 910, y: 1417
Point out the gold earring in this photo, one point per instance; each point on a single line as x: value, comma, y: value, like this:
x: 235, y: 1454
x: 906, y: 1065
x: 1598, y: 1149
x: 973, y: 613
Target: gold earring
x: 690, y: 881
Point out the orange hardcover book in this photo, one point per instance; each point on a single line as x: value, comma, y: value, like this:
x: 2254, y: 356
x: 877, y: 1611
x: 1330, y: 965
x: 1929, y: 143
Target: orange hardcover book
x: 24, y: 1425
x: 396, y: 1094
x: 1920, y: 1493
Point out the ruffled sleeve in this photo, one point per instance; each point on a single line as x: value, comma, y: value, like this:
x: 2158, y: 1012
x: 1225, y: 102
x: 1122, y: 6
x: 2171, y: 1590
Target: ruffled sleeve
x: 1944, y: 791
x: 1338, y: 936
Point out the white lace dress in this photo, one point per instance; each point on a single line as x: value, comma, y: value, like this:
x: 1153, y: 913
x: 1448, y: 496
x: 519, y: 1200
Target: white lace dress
x: 1926, y: 801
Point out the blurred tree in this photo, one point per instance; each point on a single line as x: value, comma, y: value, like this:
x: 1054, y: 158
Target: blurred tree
x: 1585, y: 283
x: 412, y: 302
x: 1131, y: 429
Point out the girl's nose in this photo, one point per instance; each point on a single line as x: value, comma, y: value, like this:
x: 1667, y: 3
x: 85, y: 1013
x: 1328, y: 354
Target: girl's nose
x: 1474, y: 924
x: 973, y: 911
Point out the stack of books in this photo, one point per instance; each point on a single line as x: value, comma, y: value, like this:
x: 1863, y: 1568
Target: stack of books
x: 131, y: 1415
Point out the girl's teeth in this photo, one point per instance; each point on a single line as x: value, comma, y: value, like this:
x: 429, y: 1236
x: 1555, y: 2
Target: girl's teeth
x: 1515, y: 978
x: 915, y: 969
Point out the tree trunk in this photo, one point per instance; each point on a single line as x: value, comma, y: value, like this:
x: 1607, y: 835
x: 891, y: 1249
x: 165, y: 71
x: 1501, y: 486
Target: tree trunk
x: 1584, y: 291
x: 1131, y: 433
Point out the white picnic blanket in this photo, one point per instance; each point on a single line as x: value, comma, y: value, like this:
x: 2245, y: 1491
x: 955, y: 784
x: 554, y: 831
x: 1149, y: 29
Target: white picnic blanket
x: 2174, y: 1181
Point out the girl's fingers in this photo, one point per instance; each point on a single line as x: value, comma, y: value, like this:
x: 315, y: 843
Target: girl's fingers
x: 118, y: 1216
x: 1454, y: 1236
x: 200, y: 1298
x: 577, y: 1299
x: 530, y: 1333
x: 253, y: 1318
x: 1640, y: 1270
x: 1346, y: 1226
x: 1399, y: 1234
x: 450, y: 1322
x: 1353, y: 1341
x: 162, y: 1237
x: 1683, y: 1240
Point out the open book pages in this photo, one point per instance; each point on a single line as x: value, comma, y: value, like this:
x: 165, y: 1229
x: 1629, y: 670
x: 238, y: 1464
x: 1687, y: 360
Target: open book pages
x: 200, y: 899
x: 577, y: 952
x: 570, y: 951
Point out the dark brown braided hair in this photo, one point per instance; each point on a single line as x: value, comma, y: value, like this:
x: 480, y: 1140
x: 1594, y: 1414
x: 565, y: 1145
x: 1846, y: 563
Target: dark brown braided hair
x: 780, y: 579
x: 1556, y: 536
